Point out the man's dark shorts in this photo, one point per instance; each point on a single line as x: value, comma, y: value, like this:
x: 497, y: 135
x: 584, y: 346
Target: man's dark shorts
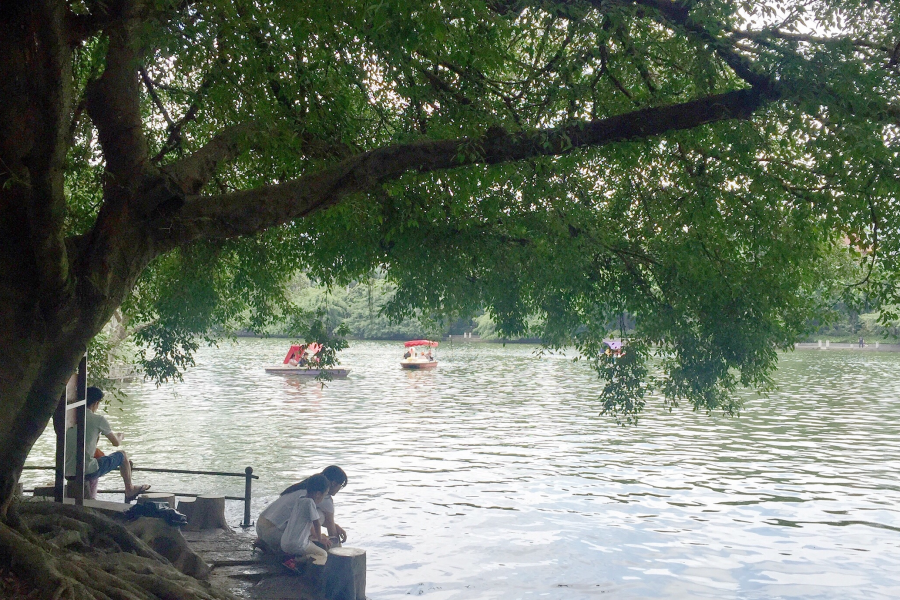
x: 107, y: 463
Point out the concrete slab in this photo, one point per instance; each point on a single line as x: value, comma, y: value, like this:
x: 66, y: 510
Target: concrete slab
x: 248, y: 573
x: 253, y: 573
x: 284, y: 587
x: 204, y: 535
x: 111, y: 508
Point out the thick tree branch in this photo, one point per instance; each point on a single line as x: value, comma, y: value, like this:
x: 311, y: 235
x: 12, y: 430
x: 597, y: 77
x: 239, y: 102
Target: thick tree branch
x: 117, y: 248
x: 194, y: 171
x: 99, y: 16
x: 76, y: 121
x: 247, y: 212
x: 765, y: 35
x: 444, y: 88
x: 678, y: 13
x: 113, y: 100
x: 47, y: 210
x: 84, y: 26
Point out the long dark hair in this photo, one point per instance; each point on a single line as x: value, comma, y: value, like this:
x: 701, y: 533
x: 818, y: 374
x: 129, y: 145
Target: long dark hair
x: 333, y: 473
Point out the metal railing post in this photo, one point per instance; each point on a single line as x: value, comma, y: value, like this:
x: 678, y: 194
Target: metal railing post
x: 248, y: 482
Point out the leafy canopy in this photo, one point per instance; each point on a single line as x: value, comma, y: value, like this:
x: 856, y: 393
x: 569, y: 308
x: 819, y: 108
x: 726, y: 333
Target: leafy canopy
x: 715, y: 236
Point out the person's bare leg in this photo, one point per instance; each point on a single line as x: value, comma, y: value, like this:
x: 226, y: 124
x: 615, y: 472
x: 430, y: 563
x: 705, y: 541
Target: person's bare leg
x: 125, y: 471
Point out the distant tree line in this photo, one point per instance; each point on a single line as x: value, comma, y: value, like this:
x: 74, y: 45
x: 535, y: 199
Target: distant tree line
x: 360, y: 307
x: 852, y: 310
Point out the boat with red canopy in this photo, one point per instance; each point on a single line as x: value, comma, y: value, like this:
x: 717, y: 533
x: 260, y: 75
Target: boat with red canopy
x: 303, y: 360
x: 419, y: 355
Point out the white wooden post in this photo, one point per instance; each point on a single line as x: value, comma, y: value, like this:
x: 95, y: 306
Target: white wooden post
x: 186, y: 507
x: 208, y: 513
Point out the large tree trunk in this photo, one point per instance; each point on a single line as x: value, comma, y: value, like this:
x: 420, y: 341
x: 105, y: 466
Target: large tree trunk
x: 36, y: 354
x: 55, y: 296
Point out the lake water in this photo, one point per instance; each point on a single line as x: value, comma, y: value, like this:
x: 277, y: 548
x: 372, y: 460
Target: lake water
x: 494, y: 477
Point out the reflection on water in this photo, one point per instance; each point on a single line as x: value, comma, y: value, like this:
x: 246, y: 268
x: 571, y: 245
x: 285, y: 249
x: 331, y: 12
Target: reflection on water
x: 494, y: 477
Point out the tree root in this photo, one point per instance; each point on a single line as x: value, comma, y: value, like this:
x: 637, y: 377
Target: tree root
x: 67, y: 553
x: 11, y: 586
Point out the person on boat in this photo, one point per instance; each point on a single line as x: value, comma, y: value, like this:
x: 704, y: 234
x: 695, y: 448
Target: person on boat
x: 337, y: 479
x: 407, y: 354
x: 291, y: 523
x: 94, y: 467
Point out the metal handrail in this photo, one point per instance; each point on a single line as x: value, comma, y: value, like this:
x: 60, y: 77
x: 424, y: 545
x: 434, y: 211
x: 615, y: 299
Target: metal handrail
x: 247, y: 475
x: 220, y: 473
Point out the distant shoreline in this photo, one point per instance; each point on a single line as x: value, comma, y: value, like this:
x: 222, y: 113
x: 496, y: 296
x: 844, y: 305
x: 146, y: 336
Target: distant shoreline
x: 445, y: 338
x: 873, y: 347
x: 869, y: 347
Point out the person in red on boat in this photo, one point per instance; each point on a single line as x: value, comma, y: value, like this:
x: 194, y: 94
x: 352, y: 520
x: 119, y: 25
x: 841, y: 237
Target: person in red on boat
x: 94, y: 468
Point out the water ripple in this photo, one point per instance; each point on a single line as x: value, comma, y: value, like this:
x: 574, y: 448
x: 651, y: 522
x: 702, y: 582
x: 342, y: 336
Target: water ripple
x: 494, y: 476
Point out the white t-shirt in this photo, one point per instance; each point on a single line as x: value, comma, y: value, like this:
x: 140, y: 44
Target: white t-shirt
x: 293, y: 514
x: 326, y: 505
x: 94, y: 425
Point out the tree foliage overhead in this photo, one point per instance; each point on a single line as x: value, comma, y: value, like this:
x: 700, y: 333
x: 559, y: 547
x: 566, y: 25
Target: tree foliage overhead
x: 687, y: 163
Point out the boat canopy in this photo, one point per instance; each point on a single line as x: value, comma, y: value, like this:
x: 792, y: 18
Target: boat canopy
x: 296, y: 351
x: 412, y: 343
x: 613, y: 344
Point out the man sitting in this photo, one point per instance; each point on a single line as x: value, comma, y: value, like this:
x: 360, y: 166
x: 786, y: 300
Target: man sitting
x: 94, y: 468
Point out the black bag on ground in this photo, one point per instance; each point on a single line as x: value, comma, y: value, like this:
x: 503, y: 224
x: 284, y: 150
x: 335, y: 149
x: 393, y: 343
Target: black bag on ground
x: 157, y: 510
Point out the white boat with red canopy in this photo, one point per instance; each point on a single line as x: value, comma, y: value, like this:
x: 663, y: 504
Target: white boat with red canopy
x: 419, y: 355
x: 302, y: 360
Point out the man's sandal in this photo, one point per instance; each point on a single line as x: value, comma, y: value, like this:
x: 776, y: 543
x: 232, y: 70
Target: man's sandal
x: 136, y: 491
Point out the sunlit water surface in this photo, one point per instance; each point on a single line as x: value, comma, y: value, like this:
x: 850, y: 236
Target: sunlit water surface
x: 494, y: 477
